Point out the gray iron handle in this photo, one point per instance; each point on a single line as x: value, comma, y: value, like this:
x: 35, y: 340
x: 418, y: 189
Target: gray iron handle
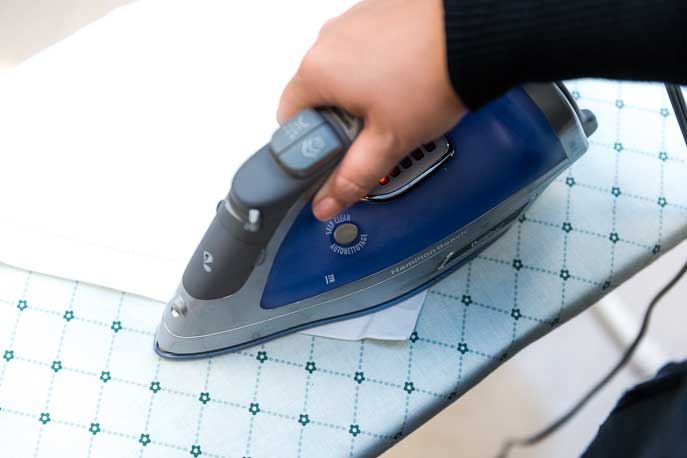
x: 301, y: 153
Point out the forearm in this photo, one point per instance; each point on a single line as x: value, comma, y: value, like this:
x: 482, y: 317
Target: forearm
x: 493, y: 45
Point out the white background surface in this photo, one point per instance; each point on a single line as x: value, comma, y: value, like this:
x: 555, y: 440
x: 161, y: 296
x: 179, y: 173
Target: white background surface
x: 125, y: 136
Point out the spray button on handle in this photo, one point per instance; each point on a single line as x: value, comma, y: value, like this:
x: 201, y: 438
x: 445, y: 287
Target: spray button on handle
x: 311, y: 152
x: 294, y: 129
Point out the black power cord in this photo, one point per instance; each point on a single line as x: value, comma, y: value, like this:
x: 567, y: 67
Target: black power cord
x: 678, y: 101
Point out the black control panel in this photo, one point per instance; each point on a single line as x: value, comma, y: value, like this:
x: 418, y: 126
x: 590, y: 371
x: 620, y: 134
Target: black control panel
x: 412, y: 169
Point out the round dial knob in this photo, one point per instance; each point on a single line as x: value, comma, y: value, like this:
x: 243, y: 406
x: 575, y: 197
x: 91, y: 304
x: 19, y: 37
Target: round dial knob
x: 346, y: 233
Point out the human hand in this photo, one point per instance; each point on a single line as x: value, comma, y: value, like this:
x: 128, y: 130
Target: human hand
x: 384, y: 61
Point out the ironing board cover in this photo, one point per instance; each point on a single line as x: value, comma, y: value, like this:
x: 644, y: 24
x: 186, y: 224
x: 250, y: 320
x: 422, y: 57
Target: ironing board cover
x: 78, y: 376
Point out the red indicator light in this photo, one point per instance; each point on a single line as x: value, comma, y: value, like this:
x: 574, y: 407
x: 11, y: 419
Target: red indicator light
x: 383, y: 180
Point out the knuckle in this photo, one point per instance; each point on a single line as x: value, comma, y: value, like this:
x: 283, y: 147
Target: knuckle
x: 312, y: 62
x: 388, y: 144
x: 327, y: 26
x: 348, y: 187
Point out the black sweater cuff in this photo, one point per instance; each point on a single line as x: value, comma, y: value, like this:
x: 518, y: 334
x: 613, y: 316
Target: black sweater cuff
x: 494, y: 45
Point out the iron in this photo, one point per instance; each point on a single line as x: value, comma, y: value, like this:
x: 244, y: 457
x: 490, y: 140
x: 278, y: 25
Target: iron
x: 266, y: 267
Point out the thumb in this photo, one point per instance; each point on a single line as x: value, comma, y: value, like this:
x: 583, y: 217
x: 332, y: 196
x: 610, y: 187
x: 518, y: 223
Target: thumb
x: 369, y: 158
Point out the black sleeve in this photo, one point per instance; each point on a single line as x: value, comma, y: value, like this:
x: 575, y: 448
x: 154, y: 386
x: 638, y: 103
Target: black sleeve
x: 493, y: 45
x: 650, y: 421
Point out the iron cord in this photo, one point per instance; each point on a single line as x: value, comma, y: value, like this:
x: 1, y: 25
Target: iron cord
x: 680, y: 108
x: 677, y: 99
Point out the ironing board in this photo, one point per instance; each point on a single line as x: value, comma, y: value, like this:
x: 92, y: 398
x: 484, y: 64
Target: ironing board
x: 78, y: 376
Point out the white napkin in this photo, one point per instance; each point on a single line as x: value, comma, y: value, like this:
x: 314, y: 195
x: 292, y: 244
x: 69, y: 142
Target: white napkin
x: 117, y: 143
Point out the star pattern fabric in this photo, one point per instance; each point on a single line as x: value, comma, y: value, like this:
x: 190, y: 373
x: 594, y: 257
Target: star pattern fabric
x: 78, y: 375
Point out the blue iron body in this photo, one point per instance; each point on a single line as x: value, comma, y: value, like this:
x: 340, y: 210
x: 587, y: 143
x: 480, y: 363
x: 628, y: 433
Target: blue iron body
x: 497, y: 151
x: 504, y: 156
